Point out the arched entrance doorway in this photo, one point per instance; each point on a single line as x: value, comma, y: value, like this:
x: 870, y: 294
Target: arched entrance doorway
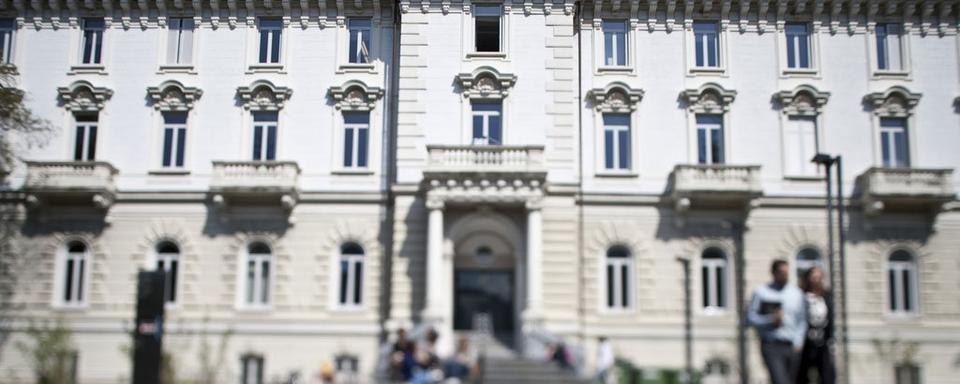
x: 487, y: 275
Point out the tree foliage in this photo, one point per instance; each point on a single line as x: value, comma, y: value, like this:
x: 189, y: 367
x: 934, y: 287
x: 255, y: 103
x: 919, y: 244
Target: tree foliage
x: 50, y: 353
x: 19, y: 127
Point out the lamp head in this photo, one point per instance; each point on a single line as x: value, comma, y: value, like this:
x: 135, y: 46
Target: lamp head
x: 822, y: 158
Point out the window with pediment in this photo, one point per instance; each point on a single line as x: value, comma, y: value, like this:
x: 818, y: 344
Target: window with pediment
x: 615, y: 106
x: 707, y: 109
x: 800, y: 109
x: 264, y: 100
x: 485, y: 90
x: 355, y: 101
x: 893, y: 116
x: 85, y: 102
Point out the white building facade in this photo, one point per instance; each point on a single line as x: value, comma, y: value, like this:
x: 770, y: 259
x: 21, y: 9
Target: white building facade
x: 314, y: 176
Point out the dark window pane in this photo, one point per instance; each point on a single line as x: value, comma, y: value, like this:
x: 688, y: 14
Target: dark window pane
x: 716, y: 143
x: 881, y: 46
x: 251, y: 278
x: 172, y: 278
x: 167, y: 146
x: 362, y: 147
x: 80, y: 275
x: 892, y: 288
x: 488, y: 34
x: 181, y: 145
x: 264, y: 38
x: 78, y: 144
x: 348, y: 148
x: 610, y: 287
x: 721, y: 287
x: 68, y: 288
x: 885, y: 149
x: 92, y: 143
x: 907, y: 291
x: 705, y: 285
x: 356, y: 118
x: 712, y: 50
x: 624, y: 161
x: 275, y: 47
x: 344, y: 273
x: 494, y: 128
x: 624, y: 286
x: 702, y: 146
x: 608, y: 148
x: 257, y: 141
x: 87, y: 47
x: 358, y: 283
x: 265, y: 282
x: 271, y: 142
x: 478, y: 127
x: 265, y: 116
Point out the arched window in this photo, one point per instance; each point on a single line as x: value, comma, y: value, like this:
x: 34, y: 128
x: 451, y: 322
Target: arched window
x: 351, y: 275
x: 713, y: 265
x: 168, y: 260
x: 75, y: 272
x: 807, y: 258
x: 902, y: 275
x: 258, y: 274
x: 716, y: 371
x: 619, y: 275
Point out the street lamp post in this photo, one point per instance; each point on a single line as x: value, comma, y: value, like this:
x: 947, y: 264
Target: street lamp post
x: 828, y: 161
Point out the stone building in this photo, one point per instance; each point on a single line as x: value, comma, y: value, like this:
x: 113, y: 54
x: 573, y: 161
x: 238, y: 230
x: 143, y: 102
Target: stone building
x: 315, y: 175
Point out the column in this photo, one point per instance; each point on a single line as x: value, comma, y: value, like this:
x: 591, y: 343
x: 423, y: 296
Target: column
x: 435, y: 279
x: 534, y: 261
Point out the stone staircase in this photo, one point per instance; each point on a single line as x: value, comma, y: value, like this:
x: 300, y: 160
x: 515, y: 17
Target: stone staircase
x: 518, y: 370
x: 504, y: 366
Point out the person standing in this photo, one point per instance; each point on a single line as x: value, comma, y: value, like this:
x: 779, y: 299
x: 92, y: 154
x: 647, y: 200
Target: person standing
x: 819, y: 337
x: 605, y: 359
x: 778, y: 313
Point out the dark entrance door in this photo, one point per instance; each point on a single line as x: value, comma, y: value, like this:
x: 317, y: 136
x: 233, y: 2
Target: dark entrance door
x: 482, y: 291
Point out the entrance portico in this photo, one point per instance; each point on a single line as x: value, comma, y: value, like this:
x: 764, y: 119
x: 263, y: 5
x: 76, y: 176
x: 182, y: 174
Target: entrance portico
x: 483, y: 179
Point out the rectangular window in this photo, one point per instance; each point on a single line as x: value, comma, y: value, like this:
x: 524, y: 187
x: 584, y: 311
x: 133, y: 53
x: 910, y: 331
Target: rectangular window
x: 351, y: 280
x: 707, y: 43
x: 265, y: 135
x: 889, y: 47
x: 73, y: 290
x: 180, y: 41
x: 615, y: 43
x: 487, y: 118
x: 359, y: 40
x: 487, y: 28
x: 798, y: 45
x: 616, y: 141
x: 167, y: 262
x: 270, y: 30
x: 800, y: 145
x: 356, y: 137
x: 174, y: 138
x: 7, y: 27
x: 894, y: 149
x: 618, y: 283
x: 252, y: 369
x: 258, y: 279
x: 710, y: 139
x: 85, y: 145
x: 92, y: 44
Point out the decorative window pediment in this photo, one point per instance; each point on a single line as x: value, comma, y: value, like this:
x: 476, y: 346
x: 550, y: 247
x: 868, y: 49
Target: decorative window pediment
x: 616, y: 98
x: 355, y: 96
x: 171, y: 95
x: 895, y: 101
x: 262, y: 95
x: 81, y: 96
x: 486, y: 83
x: 804, y: 100
x: 709, y: 98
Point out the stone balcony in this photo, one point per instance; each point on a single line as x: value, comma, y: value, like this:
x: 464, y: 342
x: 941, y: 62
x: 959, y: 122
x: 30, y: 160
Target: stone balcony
x: 255, y: 182
x: 904, y: 189
x: 485, y: 159
x: 70, y: 182
x: 718, y: 185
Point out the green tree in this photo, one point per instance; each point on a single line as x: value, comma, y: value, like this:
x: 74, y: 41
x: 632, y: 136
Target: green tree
x: 50, y: 353
x: 19, y: 127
